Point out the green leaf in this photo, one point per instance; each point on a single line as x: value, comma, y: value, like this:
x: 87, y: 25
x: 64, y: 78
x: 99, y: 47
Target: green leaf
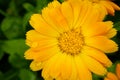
x: 41, y: 4
x: 12, y: 9
x: 61, y: 1
x: 1, y: 51
x: 112, y: 68
x: 26, y: 75
x: 17, y: 61
x: 1, y: 76
x: 114, y: 18
x: 15, y: 46
x: 1, y: 54
x: 96, y: 77
x: 3, y: 13
x: 26, y: 19
x: 12, y: 27
x: 117, y: 25
x: 10, y: 75
x: 28, y: 6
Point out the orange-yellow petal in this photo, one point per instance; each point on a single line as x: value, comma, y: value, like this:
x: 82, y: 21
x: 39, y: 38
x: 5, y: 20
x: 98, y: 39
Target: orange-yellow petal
x: 118, y: 70
x: 111, y: 76
x: 102, y: 11
x: 73, y: 75
x: 37, y: 41
x: 50, y: 13
x: 111, y: 33
x: 60, y: 21
x: 84, y: 15
x: 35, y: 66
x: 66, y: 69
x: 47, y: 17
x: 49, y: 65
x: 106, y: 78
x: 40, y: 25
x: 93, y: 65
x: 67, y: 11
x: 99, y: 28
x: 54, y: 4
x: 109, y: 7
x: 102, y: 43
x: 93, y: 13
x: 29, y: 54
x: 76, y: 8
x: 116, y: 7
x: 58, y: 66
x: 83, y: 72
x: 41, y: 55
x: 97, y: 55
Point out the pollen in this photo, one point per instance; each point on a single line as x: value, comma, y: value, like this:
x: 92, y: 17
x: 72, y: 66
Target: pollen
x: 71, y: 42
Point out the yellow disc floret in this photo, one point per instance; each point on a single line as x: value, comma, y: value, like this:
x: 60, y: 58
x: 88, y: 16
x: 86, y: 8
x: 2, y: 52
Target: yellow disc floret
x: 71, y: 42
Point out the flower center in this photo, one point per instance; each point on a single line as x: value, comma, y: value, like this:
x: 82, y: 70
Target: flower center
x: 71, y: 42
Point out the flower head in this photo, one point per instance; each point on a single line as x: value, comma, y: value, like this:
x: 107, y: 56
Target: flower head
x: 69, y: 41
x: 103, y: 6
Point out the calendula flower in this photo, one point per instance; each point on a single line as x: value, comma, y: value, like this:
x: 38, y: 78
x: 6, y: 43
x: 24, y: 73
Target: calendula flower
x: 104, y: 6
x: 69, y: 41
x: 114, y: 76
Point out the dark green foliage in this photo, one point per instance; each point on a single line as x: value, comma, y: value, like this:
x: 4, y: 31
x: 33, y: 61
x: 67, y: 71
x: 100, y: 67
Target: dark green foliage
x: 14, y: 24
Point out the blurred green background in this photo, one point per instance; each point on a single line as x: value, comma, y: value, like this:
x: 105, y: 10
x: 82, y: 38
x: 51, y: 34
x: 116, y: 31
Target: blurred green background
x: 14, y: 23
